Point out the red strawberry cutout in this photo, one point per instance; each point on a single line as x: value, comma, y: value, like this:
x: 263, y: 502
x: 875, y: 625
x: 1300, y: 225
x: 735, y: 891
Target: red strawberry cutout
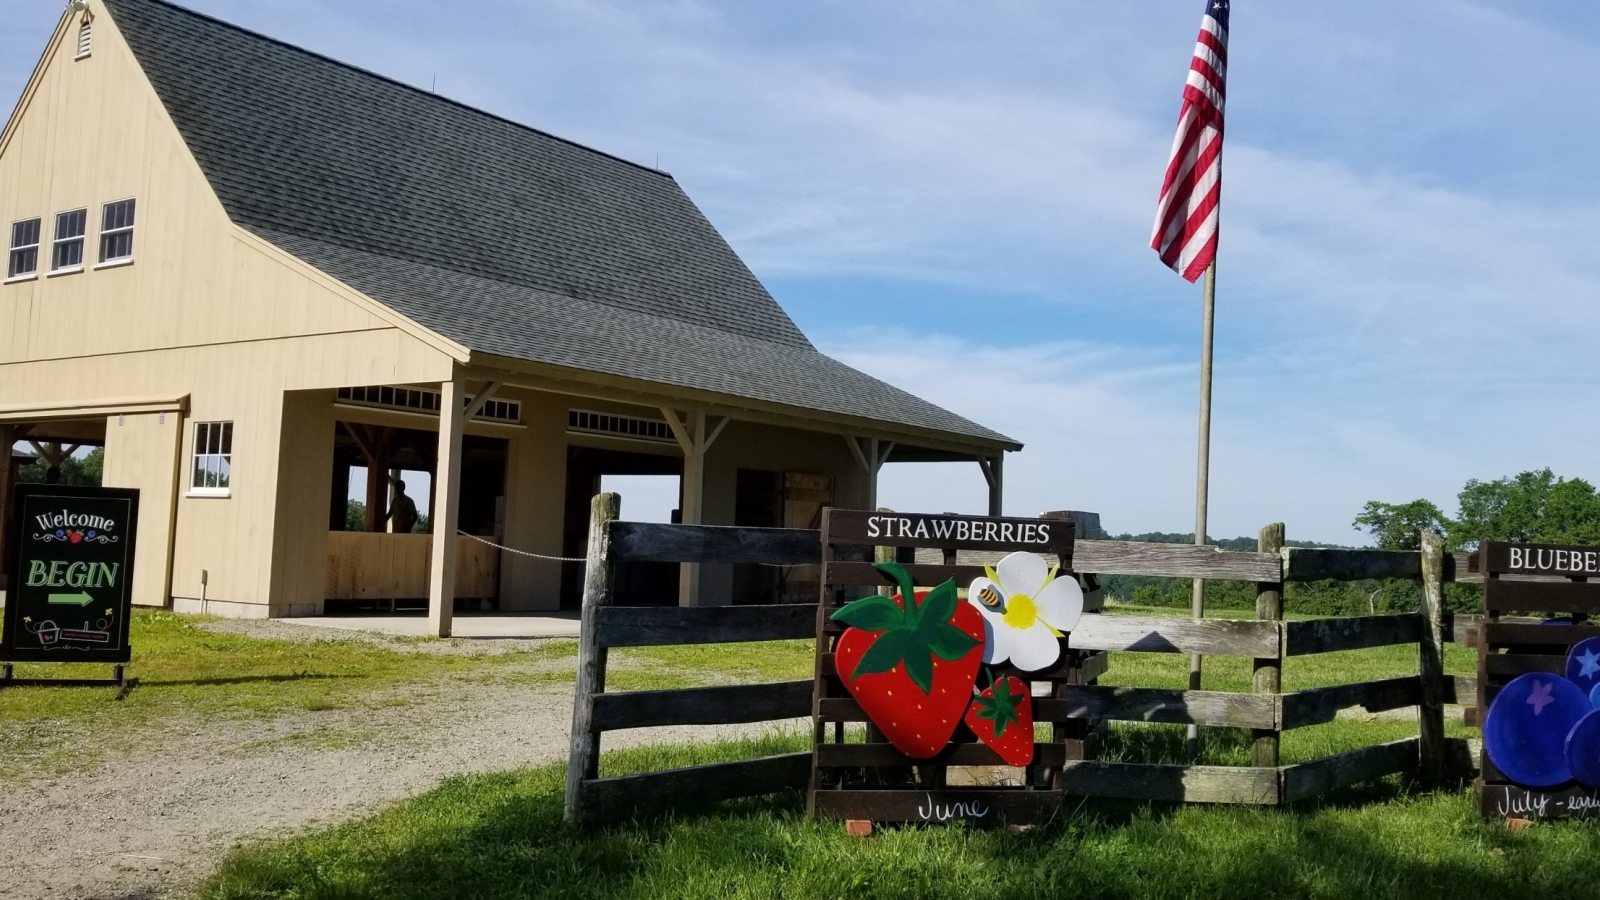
x: 1002, y: 717
x: 75, y: 536
x: 912, y: 670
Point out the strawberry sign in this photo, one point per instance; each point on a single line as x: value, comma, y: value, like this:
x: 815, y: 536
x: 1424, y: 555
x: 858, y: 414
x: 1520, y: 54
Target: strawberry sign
x: 1002, y: 717
x: 911, y: 665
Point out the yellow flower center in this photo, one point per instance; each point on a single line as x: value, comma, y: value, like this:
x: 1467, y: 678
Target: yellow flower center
x: 1021, y: 612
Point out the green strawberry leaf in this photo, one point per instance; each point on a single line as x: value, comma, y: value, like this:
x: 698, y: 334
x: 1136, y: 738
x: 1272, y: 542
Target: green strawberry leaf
x: 951, y: 643
x: 884, y: 654
x: 940, y: 604
x: 912, y: 635
x: 908, y: 590
x: 874, y: 613
x: 999, y: 706
x: 919, y: 667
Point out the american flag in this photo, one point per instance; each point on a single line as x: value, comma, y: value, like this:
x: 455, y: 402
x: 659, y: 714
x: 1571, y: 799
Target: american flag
x: 1186, y: 218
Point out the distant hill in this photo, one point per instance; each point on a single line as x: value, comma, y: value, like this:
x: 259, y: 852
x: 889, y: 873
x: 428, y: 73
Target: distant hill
x: 1174, y: 592
x: 1236, y: 544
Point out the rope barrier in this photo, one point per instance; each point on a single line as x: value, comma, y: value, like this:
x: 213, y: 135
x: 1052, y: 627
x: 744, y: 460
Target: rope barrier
x: 521, y: 552
x: 579, y: 559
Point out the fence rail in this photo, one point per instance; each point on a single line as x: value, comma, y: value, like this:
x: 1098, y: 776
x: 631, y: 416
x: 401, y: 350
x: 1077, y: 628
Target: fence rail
x: 591, y: 799
x: 1075, y: 705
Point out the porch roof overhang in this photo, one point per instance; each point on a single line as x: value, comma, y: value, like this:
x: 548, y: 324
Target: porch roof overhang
x: 911, y: 444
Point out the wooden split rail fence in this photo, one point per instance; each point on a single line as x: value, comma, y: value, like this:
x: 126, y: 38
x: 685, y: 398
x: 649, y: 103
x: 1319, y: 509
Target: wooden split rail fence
x: 1075, y: 705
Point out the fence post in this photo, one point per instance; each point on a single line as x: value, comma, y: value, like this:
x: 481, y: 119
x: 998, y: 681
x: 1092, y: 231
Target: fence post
x: 1430, y: 711
x: 1268, y: 672
x: 583, y: 760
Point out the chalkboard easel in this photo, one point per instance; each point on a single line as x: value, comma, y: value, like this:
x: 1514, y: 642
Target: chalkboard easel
x: 69, y: 593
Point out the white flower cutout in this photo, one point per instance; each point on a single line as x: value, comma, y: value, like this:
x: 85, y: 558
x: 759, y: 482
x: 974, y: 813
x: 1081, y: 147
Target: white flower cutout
x: 1025, y: 609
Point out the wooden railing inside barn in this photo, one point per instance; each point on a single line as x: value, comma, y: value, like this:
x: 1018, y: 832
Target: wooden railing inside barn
x: 1268, y: 640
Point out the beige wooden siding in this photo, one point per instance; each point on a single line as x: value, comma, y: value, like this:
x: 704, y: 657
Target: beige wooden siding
x: 206, y: 310
x: 93, y: 131
x: 142, y: 452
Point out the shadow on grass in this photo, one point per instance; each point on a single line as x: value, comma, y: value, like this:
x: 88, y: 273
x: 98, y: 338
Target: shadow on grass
x: 501, y: 836
x: 243, y: 679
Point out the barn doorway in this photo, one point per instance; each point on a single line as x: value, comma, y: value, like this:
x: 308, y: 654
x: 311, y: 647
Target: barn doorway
x: 635, y: 584
x: 779, y: 500
x: 380, y: 520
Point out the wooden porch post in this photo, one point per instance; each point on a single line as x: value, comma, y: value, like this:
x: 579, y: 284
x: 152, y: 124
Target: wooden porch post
x: 374, y: 442
x: 442, y: 571
x: 993, y: 472
x: 695, y: 441
x: 870, y: 454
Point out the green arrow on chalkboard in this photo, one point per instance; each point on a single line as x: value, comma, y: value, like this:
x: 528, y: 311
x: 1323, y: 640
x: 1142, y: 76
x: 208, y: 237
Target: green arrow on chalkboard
x: 78, y: 599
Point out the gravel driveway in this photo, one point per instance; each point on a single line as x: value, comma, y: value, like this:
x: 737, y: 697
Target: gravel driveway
x: 156, y: 818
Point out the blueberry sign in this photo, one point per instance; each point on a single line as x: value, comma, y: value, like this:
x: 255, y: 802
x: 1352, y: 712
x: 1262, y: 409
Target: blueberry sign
x: 70, y: 565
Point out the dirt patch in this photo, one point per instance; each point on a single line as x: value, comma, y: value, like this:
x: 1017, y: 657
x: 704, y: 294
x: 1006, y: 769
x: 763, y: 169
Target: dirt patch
x: 278, y: 630
x: 159, y: 817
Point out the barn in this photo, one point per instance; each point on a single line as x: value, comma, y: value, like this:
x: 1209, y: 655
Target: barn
x: 257, y: 276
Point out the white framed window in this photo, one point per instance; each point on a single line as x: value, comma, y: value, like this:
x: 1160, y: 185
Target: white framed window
x: 212, y: 472
x: 85, y: 39
x: 23, y: 261
x: 116, y: 232
x: 66, y: 250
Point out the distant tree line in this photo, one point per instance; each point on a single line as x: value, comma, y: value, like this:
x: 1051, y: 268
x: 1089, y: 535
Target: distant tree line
x: 80, y: 470
x: 1537, y: 507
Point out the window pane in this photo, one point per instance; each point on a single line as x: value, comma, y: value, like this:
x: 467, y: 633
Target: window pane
x: 116, y: 246
x: 223, y: 471
x: 25, y: 234
x: 211, y: 471
x: 23, y: 262
x: 227, y: 437
x: 67, y: 254
x: 117, y: 215
x: 199, y: 477
x: 71, y: 224
x: 200, y: 431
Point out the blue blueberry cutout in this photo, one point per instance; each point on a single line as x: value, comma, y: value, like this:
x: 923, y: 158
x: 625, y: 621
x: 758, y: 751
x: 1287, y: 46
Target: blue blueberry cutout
x: 1583, y: 664
x: 1583, y: 749
x: 1526, y: 730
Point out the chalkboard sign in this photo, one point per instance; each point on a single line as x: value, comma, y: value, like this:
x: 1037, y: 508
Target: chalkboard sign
x: 70, y: 561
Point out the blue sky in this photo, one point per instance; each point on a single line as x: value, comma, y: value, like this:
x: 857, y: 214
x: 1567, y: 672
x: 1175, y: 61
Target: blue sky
x: 957, y: 198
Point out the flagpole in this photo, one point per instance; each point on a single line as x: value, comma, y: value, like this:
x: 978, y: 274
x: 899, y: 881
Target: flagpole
x: 1202, y: 475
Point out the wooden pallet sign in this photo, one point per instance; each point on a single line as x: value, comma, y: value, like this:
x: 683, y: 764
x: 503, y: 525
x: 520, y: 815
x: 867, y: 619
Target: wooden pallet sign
x: 1539, y: 681
x: 946, y: 684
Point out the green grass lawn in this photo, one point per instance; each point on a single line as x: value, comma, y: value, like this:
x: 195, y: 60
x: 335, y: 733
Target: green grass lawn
x: 501, y: 836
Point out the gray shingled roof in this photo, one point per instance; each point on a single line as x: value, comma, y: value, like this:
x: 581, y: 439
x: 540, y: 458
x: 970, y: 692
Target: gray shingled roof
x: 502, y: 238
